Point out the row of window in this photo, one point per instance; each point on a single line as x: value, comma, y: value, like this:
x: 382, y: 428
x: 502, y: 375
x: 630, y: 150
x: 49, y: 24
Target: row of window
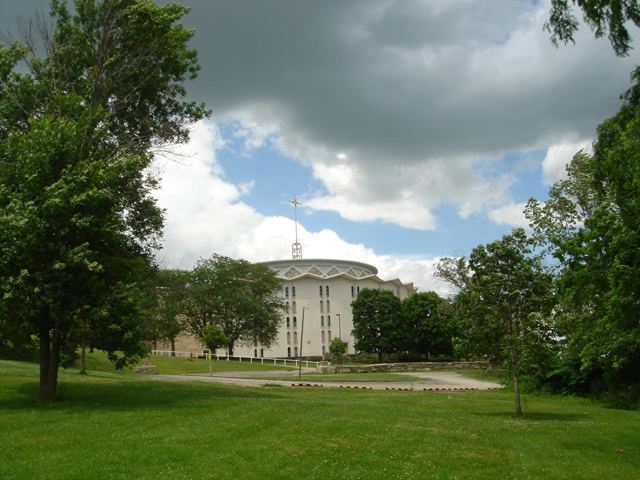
x: 354, y: 291
x: 294, y: 307
x: 295, y: 321
x: 295, y: 338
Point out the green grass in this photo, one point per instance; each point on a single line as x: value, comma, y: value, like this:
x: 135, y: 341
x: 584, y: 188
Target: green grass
x: 113, y: 426
x: 98, y: 361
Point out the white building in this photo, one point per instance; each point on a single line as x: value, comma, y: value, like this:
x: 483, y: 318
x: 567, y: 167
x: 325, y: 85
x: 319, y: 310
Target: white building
x: 318, y: 293
x: 322, y: 291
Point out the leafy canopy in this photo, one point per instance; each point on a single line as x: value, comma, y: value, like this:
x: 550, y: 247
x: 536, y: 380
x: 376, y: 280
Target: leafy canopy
x: 82, y: 109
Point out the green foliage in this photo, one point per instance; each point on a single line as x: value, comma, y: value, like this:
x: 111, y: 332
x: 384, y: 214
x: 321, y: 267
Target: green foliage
x: 429, y: 324
x: 337, y: 349
x: 507, y: 305
x: 165, y: 322
x: 213, y: 337
x: 377, y: 322
x: 80, y: 113
x: 604, y: 17
x: 596, y: 247
x: 239, y: 296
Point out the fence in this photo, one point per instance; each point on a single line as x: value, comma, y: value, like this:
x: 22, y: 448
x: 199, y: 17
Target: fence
x: 262, y: 360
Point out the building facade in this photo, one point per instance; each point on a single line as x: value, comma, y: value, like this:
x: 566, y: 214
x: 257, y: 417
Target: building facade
x: 319, y: 293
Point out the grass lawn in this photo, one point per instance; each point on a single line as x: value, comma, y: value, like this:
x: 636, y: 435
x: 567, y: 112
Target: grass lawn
x: 116, y: 426
x: 177, y: 365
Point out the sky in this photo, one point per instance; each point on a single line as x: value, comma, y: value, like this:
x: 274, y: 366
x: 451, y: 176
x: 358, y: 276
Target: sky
x: 409, y: 130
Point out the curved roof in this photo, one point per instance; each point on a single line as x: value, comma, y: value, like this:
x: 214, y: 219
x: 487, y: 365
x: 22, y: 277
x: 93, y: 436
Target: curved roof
x: 321, y: 268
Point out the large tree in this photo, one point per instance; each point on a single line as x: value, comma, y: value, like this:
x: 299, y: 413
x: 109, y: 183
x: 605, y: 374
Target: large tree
x: 82, y: 108
x: 166, y: 322
x: 604, y: 17
x: 428, y: 323
x: 241, y: 297
x: 591, y: 225
x: 508, y: 300
x: 377, y: 322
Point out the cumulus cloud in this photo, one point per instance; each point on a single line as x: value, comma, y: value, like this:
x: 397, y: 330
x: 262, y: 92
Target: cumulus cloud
x: 558, y: 156
x: 511, y: 214
x: 393, y: 103
x: 206, y: 214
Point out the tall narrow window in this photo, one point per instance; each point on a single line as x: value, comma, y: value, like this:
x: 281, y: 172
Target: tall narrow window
x: 327, y: 290
x: 295, y: 322
x: 329, y: 335
x: 286, y: 292
x: 324, y: 350
x: 261, y: 352
x: 288, y: 351
x: 255, y: 353
x: 295, y: 338
x: 288, y: 323
x: 288, y: 338
x: 353, y: 291
x: 320, y: 290
x: 328, y: 320
x: 358, y: 289
x: 328, y: 307
x: 293, y: 305
x: 322, y: 335
x: 296, y: 351
x: 322, y: 320
x: 321, y: 306
x: 293, y: 292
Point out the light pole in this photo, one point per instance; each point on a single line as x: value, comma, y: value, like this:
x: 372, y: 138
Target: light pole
x: 301, y: 338
x: 339, y: 326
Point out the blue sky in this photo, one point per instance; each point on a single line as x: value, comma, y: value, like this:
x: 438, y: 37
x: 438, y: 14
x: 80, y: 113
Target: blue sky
x: 409, y: 129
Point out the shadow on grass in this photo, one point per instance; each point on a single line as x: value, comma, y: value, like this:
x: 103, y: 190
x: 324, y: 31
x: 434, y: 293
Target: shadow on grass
x: 538, y: 416
x: 124, y: 396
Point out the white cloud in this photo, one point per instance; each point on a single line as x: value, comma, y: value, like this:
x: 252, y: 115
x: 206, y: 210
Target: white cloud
x: 205, y: 214
x: 393, y: 103
x: 511, y: 214
x: 558, y: 156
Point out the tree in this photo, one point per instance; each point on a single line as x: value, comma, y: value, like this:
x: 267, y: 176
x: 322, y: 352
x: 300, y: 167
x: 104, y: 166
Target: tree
x: 241, y: 297
x: 597, y: 261
x: 213, y: 337
x: 377, y: 319
x: 508, y: 300
x: 604, y: 17
x: 428, y: 323
x: 82, y: 109
x: 170, y: 294
x: 337, y: 349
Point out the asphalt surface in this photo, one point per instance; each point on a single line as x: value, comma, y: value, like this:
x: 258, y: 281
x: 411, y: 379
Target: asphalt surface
x: 443, y: 381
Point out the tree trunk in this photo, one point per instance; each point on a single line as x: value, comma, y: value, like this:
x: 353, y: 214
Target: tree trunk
x: 516, y: 383
x: 230, y: 348
x: 516, y: 391
x: 49, y: 361
x: 83, y: 359
x: 173, y: 347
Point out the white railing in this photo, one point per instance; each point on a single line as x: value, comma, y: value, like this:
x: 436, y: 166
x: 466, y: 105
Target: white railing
x: 262, y: 360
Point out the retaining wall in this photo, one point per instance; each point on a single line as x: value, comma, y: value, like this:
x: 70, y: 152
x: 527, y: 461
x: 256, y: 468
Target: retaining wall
x: 401, y: 367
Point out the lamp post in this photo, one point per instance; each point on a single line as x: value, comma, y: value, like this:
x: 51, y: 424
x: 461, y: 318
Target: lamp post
x: 301, y: 338
x: 339, y: 326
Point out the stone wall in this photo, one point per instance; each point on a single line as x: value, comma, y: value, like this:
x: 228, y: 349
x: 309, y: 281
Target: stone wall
x: 401, y: 367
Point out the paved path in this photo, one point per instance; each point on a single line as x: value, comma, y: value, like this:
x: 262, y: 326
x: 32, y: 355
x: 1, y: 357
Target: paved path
x: 428, y: 380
